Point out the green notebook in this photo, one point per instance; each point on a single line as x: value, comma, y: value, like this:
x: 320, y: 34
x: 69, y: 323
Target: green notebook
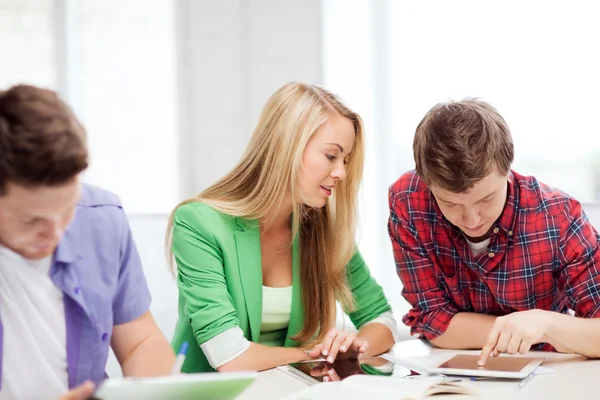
x: 214, y: 386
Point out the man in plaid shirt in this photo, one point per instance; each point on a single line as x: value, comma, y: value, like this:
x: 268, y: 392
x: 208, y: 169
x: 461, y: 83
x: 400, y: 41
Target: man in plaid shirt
x: 490, y: 259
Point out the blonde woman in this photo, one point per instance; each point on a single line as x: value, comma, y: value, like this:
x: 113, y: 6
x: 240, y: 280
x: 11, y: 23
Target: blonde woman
x: 263, y: 254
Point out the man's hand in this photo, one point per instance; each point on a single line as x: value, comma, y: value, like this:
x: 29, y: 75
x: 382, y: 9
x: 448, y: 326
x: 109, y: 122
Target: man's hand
x: 515, y: 333
x: 336, y: 343
x: 81, y: 392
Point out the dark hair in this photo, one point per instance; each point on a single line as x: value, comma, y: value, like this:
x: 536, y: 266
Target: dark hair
x: 41, y: 140
x: 459, y: 143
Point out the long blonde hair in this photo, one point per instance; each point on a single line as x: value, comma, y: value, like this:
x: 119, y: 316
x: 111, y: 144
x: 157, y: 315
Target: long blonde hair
x: 269, y: 167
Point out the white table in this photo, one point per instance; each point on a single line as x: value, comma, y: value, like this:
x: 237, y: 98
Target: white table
x: 575, y: 378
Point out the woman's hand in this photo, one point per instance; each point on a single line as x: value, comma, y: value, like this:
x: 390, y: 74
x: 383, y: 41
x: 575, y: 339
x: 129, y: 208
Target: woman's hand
x: 337, y: 371
x: 339, y: 345
x: 326, y: 371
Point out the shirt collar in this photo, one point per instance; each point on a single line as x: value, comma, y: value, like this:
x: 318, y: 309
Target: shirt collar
x: 65, y: 252
x: 507, y: 219
x: 64, y: 277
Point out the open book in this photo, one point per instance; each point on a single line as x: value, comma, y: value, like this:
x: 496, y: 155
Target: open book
x: 387, y: 388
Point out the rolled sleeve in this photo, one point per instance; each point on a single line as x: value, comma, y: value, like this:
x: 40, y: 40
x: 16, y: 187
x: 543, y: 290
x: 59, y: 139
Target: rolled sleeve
x: 430, y: 325
x: 132, y: 297
x: 432, y: 309
x: 387, y: 319
x: 225, y: 347
x: 201, y: 278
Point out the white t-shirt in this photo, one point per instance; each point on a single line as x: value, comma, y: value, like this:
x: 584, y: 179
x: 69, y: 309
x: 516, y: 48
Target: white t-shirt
x: 35, y: 334
x: 480, y: 247
x: 276, y: 312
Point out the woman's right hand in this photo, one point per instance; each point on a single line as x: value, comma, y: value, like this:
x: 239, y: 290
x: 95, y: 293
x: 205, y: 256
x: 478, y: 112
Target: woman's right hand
x: 339, y: 344
x: 81, y: 392
x: 326, y: 372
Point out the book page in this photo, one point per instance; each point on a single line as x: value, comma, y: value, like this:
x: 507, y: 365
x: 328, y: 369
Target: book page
x: 360, y: 387
x: 452, y: 389
x: 411, y: 388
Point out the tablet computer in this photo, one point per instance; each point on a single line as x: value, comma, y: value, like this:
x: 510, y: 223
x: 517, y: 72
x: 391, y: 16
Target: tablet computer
x: 210, y: 385
x: 509, y: 367
x: 312, y: 372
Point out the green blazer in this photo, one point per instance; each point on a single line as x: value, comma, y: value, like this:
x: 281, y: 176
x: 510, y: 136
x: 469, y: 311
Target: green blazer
x: 220, y: 282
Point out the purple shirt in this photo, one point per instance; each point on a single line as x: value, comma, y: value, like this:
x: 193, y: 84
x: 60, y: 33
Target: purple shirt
x: 98, y: 268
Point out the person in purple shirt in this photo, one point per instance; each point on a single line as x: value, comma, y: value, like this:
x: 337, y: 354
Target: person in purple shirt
x: 71, y: 281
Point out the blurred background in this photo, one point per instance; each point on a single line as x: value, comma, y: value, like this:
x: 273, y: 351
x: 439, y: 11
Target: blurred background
x: 170, y: 91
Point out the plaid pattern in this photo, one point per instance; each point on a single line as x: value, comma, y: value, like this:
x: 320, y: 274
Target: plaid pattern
x: 543, y: 254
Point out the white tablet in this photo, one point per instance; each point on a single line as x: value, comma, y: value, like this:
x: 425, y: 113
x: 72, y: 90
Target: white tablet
x: 210, y: 385
x: 503, y: 366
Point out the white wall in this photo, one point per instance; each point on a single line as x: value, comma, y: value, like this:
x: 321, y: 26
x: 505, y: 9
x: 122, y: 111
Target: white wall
x: 26, y: 43
x: 114, y: 63
x: 233, y: 54
x: 124, y: 89
x: 532, y: 60
x: 357, y: 67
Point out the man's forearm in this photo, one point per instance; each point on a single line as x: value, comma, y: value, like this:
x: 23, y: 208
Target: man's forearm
x: 570, y: 334
x: 152, y: 357
x: 466, y: 331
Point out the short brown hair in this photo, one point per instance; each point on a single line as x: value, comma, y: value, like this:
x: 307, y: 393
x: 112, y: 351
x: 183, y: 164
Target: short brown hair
x: 41, y: 140
x: 459, y: 143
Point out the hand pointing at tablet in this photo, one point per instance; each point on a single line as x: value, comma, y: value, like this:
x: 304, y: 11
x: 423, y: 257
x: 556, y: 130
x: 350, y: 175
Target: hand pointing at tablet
x: 515, y: 333
x: 339, y: 343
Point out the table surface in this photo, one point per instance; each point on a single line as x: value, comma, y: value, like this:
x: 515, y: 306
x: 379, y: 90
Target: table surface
x: 575, y: 377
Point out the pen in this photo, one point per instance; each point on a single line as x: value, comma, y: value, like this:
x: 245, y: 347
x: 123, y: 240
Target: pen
x: 180, y: 359
x: 527, y: 379
x: 483, y: 378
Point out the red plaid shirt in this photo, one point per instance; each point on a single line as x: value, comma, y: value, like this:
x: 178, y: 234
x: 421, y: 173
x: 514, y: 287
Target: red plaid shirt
x: 543, y: 253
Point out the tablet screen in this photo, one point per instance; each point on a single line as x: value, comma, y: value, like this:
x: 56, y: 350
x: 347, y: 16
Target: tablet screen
x: 343, y: 368
x: 501, y: 363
